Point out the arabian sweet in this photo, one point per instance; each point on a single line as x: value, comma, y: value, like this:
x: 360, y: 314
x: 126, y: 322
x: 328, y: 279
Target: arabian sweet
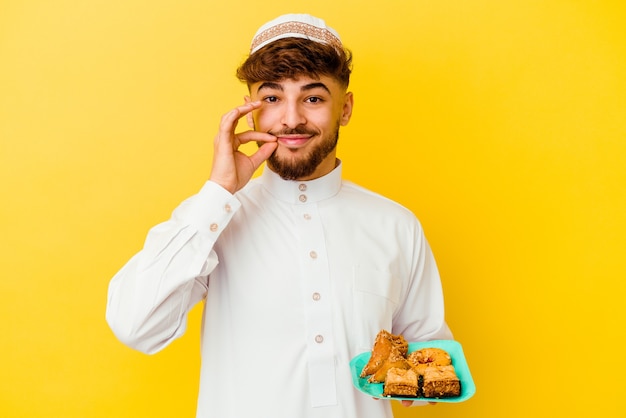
x: 382, y: 351
x: 391, y: 364
x: 395, y: 360
x: 428, y: 357
x: 440, y: 382
x: 401, y: 382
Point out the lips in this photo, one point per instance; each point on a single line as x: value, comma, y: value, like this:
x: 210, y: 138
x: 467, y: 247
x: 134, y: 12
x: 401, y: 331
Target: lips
x: 293, y: 141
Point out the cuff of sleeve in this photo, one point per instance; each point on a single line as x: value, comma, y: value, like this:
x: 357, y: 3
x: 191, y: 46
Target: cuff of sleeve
x: 210, y: 210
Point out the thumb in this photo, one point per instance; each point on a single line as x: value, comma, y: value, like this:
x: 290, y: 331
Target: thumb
x: 263, y: 153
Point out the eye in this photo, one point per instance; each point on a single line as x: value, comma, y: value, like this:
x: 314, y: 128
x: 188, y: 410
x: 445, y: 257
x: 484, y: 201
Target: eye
x: 314, y: 99
x: 270, y: 99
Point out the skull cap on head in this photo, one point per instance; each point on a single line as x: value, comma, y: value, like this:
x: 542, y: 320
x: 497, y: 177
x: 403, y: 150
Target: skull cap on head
x: 295, y: 26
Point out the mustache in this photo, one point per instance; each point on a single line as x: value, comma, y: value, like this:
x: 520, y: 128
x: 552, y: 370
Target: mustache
x: 294, y: 131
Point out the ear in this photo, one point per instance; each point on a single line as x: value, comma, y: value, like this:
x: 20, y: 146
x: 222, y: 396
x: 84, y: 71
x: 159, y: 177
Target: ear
x: 346, y: 113
x: 249, y: 117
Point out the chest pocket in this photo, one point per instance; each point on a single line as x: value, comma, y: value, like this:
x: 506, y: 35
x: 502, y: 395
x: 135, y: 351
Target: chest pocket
x: 376, y: 295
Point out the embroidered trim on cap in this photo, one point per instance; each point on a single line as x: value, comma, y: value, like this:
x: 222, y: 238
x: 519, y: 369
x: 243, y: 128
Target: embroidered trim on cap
x: 310, y: 31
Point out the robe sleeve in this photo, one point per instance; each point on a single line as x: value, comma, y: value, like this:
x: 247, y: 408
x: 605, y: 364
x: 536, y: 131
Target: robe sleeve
x: 150, y: 297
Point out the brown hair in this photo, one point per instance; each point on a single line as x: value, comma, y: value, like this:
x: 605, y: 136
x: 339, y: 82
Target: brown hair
x: 290, y: 58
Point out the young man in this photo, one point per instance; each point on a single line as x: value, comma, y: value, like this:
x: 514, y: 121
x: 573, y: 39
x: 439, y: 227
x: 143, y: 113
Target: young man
x: 299, y: 269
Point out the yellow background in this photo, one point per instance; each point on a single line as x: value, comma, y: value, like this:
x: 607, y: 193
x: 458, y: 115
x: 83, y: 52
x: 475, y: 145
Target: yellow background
x: 501, y: 124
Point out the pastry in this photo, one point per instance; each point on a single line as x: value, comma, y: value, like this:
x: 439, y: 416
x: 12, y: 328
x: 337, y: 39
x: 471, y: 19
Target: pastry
x: 440, y: 382
x: 395, y: 360
x: 382, y: 349
x: 433, y: 356
x: 400, y: 382
x: 427, y: 372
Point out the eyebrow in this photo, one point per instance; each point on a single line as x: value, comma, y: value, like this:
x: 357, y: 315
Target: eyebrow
x: 277, y: 86
x: 269, y: 85
x: 315, y: 86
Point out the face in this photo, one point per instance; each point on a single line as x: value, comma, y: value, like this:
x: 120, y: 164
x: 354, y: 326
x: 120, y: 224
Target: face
x: 305, y: 115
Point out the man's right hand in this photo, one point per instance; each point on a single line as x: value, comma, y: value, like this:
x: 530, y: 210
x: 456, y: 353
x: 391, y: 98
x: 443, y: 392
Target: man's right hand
x: 232, y: 169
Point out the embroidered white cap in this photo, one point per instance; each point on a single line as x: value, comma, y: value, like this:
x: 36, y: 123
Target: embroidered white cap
x: 295, y: 26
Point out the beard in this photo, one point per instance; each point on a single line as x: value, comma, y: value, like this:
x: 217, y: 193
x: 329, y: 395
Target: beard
x: 292, y: 168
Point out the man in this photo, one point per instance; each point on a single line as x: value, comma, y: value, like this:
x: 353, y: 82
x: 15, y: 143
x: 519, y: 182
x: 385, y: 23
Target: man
x: 299, y: 269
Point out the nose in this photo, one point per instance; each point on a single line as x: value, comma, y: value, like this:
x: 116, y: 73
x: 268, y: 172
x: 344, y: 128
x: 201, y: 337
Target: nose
x: 293, y: 115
